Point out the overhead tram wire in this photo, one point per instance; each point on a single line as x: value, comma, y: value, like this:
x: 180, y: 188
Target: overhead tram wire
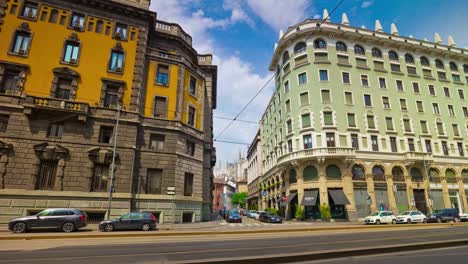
x: 273, y: 75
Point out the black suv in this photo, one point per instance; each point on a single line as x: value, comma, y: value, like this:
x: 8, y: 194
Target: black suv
x: 65, y: 219
x: 445, y: 215
x: 130, y: 221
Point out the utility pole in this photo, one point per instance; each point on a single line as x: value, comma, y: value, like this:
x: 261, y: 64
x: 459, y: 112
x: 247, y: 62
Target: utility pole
x: 111, y: 173
x: 427, y: 176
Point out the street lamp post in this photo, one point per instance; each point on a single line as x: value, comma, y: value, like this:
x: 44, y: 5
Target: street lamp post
x: 111, y: 173
x: 427, y: 176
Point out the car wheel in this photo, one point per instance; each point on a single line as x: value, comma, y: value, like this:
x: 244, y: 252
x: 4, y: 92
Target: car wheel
x: 425, y: 221
x: 19, y: 227
x: 109, y: 227
x: 393, y: 222
x: 408, y: 221
x: 145, y: 227
x: 68, y: 227
x: 377, y: 222
x: 456, y: 219
x: 439, y: 220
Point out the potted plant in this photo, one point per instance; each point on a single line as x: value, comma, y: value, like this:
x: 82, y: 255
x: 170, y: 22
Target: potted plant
x: 325, y: 212
x: 300, y: 213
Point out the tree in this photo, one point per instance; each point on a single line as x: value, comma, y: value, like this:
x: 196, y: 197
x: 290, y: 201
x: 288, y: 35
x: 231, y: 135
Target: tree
x: 239, y: 199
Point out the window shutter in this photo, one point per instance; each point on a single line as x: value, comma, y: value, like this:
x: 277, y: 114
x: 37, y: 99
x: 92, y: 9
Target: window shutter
x: 389, y: 123
x: 306, y: 120
x: 351, y: 120
x: 326, y: 96
x: 304, y: 99
x: 328, y: 118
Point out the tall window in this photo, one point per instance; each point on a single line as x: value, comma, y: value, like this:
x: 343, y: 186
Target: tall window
x: 389, y: 123
x: 424, y: 127
x: 285, y: 57
x: 307, y: 141
x: 370, y: 122
x: 191, y: 116
x: 55, y: 130
x: 323, y: 74
x: 416, y: 87
x: 193, y: 85
x: 21, y: 43
x: 445, y: 148
x: 111, y: 96
x: 188, y: 184
x: 435, y: 108
x: 382, y: 83
x: 305, y: 120
x: 30, y: 10
x: 72, y: 51
x: 456, y: 132
x: 100, y: 176
x: 393, y: 144
x: 77, y: 21
x: 328, y: 118
x: 326, y: 99
x: 117, y: 61
x: 450, y: 110
x: 461, y: 94
x: 290, y: 146
x: 289, y: 126
x: 411, y: 144
x: 364, y: 81
x: 403, y: 106
x: 447, y: 92
x: 160, y: 107
x: 440, y: 128
x: 349, y: 98
x: 351, y: 120
x: 375, y: 143
x: 64, y: 87
x: 419, y: 105
x: 399, y: 85
x: 190, y: 148
x: 105, y: 134
x: 157, y: 142
x: 428, y: 145
x: 286, y: 87
x: 10, y: 80
x: 154, y: 181
x: 99, y: 26
x: 302, y: 77
x: 367, y: 100
x: 386, y: 102
x: 304, y: 98
x: 354, y: 141
x: 163, y: 74
x: 431, y: 89
x: 121, y: 31
x: 345, y: 77
x: 407, y: 125
x: 330, y: 140
x: 53, y: 18
x: 460, y: 149
x: 465, y: 111
x: 46, y: 175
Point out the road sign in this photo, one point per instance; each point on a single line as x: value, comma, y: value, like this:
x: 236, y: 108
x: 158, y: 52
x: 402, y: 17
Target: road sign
x: 170, y: 190
x: 264, y: 193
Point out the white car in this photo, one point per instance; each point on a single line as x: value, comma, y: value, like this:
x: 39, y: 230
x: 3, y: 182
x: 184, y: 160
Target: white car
x: 381, y: 217
x: 253, y: 214
x: 464, y: 216
x: 411, y: 217
x: 258, y: 214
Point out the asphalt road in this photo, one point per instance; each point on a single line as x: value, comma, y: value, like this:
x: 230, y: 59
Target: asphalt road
x: 437, y: 256
x: 158, y: 250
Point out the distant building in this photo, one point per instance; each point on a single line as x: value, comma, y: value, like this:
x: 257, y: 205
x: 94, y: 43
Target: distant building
x: 242, y: 186
x: 254, y: 171
x: 218, y: 192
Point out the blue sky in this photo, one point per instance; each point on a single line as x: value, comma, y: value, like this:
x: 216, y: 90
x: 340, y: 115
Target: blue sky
x: 241, y: 35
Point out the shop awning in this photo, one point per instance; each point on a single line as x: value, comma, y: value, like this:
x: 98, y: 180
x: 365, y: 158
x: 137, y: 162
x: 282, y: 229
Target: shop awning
x: 310, y: 198
x: 338, y: 196
x: 290, y: 197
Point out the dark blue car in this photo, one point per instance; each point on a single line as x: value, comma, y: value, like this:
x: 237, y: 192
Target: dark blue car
x: 234, y: 217
x: 130, y: 221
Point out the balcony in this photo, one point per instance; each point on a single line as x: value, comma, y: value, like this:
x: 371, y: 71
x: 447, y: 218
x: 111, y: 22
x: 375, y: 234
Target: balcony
x: 413, y: 156
x: 320, y: 154
x: 54, y: 104
x: 173, y: 29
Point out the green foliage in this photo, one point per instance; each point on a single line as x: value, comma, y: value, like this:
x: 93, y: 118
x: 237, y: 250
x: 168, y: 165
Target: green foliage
x: 300, y: 213
x: 325, y: 212
x: 253, y: 207
x: 239, y: 199
x: 270, y: 210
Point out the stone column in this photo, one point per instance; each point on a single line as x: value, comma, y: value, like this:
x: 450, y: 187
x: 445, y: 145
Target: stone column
x: 3, y: 163
x: 445, y: 193
x: 348, y: 189
x: 300, y: 182
x: 59, y: 175
x: 371, y: 192
x: 427, y: 195
x: 323, y: 191
x: 409, y: 192
x: 461, y: 190
x: 391, y: 194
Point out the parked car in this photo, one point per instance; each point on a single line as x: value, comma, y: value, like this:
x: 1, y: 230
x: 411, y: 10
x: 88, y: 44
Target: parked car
x: 411, y: 217
x: 130, y: 221
x: 381, y: 217
x: 258, y: 214
x: 246, y: 213
x: 253, y: 214
x: 65, y: 219
x: 445, y: 215
x: 234, y: 217
x: 270, y: 218
x: 464, y: 216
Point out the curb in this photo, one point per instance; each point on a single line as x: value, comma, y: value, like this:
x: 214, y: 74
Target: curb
x: 324, y: 255
x: 233, y: 232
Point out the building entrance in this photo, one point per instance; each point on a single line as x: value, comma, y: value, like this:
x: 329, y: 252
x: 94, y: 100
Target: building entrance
x: 420, y: 200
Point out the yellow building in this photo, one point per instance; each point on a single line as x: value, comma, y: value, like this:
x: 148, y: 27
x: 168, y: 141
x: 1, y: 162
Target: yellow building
x: 66, y: 68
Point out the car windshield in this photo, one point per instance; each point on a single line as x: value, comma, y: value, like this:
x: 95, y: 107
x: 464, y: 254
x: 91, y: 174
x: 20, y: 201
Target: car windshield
x: 234, y: 212
x: 405, y: 213
x: 45, y: 213
x: 375, y: 214
x: 438, y: 211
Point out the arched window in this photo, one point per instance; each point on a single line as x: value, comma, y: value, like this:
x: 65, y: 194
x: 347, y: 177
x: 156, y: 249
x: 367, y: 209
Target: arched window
x: 378, y: 173
x: 376, y: 53
x: 465, y: 68
x: 450, y: 176
x: 453, y: 66
x: 333, y: 172
x: 397, y: 174
x: 285, y: 57
x: 359, y: 50
x: 416, y: 175
x: 320, y: 44
x: 434, y: 175
x: 53, y: 16
x: 310, y: 174
x: 424, y: 61
x: 439, y: 64
x: 292, y: 176
x: 358, y: 173
x: 340, y: 46
x: 300, y: 47
x: 393, y: 55
x: 409, y: 58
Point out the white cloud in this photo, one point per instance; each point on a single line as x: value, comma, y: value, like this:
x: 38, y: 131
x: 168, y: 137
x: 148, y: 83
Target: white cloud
x: 366, y: 4
x: 237, y: 81
x: 279, y: 14
x: 316, y: 16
